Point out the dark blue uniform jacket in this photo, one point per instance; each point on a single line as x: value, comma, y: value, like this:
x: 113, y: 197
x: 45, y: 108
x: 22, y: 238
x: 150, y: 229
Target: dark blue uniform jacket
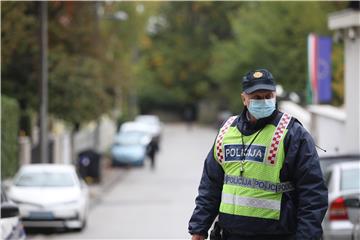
x: 302, y: 210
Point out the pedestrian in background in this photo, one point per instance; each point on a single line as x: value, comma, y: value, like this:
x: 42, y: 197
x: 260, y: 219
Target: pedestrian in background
x: 262, y: 177
x: 152, y: 149
x: 190, y: 116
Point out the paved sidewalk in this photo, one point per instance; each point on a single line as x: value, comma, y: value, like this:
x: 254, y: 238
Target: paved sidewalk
x: 110, y: 176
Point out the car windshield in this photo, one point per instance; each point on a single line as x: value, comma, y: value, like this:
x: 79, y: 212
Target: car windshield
x: 350, y: 179
x: 45, y: 179
x: 131, y: 138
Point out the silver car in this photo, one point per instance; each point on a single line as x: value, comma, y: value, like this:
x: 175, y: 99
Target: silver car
x: 342, y: 176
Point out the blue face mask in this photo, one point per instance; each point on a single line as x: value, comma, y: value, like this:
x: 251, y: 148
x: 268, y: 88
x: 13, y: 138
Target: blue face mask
x: 261, y: 108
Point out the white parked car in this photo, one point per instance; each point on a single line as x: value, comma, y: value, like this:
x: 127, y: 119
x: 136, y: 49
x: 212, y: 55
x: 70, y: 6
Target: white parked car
x: 343, y: 181
x: 153, y: 122
x: 50, y: 195
x: 133, y: 126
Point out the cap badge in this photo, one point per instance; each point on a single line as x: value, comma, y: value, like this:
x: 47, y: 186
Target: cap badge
x: 258, y: 74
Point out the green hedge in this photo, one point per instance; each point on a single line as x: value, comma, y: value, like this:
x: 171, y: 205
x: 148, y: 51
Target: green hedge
x: 10, y: 113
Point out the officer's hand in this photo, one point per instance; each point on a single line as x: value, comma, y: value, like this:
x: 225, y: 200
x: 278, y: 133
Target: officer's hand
x: 197, y: 237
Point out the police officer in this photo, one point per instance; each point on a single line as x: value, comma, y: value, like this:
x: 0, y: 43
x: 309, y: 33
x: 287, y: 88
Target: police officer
x: 262, y: 177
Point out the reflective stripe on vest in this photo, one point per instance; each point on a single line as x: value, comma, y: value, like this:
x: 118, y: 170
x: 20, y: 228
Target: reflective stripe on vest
x: 250, y: 202
x: 279, y: 132
x: 220, y: 137
x: 258, y: 184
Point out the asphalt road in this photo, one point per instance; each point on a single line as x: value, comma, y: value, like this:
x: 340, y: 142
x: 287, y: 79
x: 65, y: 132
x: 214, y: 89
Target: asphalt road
x: 147, y: 203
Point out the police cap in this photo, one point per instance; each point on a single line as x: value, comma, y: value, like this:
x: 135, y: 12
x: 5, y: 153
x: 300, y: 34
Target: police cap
x: 260, y: 79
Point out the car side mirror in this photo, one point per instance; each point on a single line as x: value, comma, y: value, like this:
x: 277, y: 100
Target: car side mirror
x: 9, y: 210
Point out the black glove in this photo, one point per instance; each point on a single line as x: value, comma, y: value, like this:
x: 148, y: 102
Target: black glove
x: 216, y: 232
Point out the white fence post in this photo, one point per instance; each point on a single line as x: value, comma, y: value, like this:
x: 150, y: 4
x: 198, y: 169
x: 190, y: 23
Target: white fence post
x: 24, y: 150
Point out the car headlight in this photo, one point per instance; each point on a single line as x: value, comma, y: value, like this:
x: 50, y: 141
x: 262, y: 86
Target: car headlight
x: 20, y: 202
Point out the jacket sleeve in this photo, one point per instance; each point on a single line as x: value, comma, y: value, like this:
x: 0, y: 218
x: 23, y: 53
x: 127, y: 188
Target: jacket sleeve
x: 311, y: 191
x: 209, y: 197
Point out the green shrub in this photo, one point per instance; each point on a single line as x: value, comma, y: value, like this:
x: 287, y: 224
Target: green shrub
x: 25, y: 123
x: 9, y: 136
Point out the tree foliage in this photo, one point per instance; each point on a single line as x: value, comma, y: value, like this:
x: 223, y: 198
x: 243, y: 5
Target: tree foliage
x: 121, y: 40
x: 177, y: 56
x: 202, y: 49
x: 9, y: 136
x: 20, y: 52
x: 169, y: 54
x: 78, y: 86
x: 269, y: 35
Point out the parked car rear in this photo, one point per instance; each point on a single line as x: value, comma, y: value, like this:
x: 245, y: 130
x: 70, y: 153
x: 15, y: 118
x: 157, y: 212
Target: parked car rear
x: 342, y: 176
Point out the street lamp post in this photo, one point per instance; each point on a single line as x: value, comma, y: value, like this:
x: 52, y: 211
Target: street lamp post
x: 44, y: 83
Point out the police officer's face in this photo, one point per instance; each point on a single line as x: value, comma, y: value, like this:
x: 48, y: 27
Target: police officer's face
x: 258, y: 95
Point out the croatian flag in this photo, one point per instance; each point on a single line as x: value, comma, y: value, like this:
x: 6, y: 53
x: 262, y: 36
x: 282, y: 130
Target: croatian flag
x: 319, y: 69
